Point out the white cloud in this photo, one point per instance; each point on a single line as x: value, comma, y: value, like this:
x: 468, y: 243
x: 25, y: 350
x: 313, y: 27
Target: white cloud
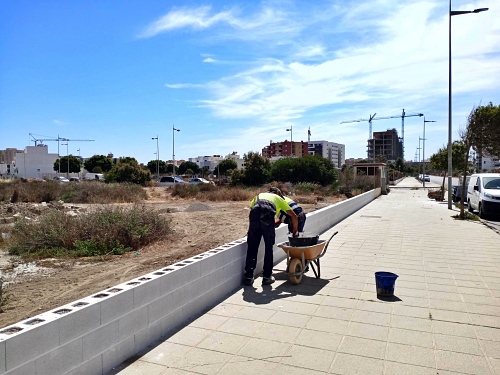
x: 209, y: 60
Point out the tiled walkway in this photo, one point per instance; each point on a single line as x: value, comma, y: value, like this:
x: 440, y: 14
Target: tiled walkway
x: 445, y: 318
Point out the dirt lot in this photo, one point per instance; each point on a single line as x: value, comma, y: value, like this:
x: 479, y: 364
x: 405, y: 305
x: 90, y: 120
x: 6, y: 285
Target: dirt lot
x: 32, y: 288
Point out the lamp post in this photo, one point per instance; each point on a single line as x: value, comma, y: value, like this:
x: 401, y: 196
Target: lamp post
x: 291, y: 139
x: 419, y: 160
x: 423, y: 151
x: 157, y: 158
x: 173, y: 147
x: 453, y: 13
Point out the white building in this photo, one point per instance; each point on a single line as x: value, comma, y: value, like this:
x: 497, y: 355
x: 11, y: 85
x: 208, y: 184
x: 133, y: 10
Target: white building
x: 210, y: 162
x: 486, y: 163
x: 237, y: 159
x: 335, y: 152
x: 35, y: 162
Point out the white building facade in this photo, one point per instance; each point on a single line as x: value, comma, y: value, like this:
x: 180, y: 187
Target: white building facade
x: 335, y: 152
x: 35, y: 162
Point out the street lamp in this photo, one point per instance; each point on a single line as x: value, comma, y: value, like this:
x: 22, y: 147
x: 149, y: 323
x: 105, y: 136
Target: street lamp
x: 291, y: 138
x: 453, y: 13
x: 157, y: 158
x: 173, y: 147
x: 423, y: 151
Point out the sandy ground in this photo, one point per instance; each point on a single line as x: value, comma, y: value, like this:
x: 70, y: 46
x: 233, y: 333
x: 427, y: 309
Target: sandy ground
x: 32, y: 288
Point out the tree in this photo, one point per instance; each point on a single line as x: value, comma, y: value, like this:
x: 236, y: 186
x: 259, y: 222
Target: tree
x: 188, y: 165
x: 153, y: 165
x: 257, y: 169
x: 170, y: 169
x: 482, y: 132
x: 226, y: 165
x: 439, y: 160
x: 381, y: 158
x: 100, y: 161
x: 309, y: 168
x: 75, y: 164
x: 400, y: 165
x: 128, y: 170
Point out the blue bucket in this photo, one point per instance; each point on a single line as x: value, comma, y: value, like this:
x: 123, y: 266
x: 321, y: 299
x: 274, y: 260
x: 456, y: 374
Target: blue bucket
x: 385, y: 283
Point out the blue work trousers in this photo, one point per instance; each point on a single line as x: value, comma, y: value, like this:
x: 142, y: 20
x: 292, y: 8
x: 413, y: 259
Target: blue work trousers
x: 302, y: 221
x: 259, y: 228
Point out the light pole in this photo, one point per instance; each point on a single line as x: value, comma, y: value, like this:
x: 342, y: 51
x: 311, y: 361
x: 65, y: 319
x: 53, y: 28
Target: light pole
x: 453, y: 13
x: 173, y: 147
x: 291, y: 138
x: 157, y: 158
x: 423, y: 151
x: 419, y: 160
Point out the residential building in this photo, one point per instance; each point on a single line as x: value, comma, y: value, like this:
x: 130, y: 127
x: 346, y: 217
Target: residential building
x: 335, y: 152
x: 486, y: 163
x: 386, y: 144
x: 285, y: 148
x: 35, y: 162
x: 237, y: 159
x: 210, y: 162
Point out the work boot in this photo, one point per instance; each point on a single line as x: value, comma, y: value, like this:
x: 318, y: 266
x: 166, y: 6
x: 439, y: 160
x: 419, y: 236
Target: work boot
x: 248, y: 281
x: 268, y: 280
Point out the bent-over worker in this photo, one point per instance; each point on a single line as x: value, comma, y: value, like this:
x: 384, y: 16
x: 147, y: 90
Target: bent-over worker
x: 301, y: 215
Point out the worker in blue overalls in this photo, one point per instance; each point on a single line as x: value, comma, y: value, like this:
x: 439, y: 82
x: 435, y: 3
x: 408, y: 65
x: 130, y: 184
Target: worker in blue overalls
x: 263, y: 211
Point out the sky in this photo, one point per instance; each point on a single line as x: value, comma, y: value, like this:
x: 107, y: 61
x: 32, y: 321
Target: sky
x: 235, y: 75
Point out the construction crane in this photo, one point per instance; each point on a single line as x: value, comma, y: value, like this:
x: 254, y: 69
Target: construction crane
x: 41, y: 140
x: 372, y: 117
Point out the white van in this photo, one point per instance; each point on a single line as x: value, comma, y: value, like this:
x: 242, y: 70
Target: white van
x: 483, y: 193
x: 94, y: 176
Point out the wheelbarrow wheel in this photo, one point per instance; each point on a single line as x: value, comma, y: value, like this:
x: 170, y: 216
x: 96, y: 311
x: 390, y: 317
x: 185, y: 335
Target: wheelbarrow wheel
x: 294, y: 268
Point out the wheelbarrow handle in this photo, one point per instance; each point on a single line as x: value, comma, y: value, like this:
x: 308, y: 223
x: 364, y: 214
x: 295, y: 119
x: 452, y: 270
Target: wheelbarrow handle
x: 327, y: 243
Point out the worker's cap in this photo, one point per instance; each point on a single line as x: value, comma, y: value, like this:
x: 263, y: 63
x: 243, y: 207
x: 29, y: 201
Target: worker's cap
x: 276, y: 191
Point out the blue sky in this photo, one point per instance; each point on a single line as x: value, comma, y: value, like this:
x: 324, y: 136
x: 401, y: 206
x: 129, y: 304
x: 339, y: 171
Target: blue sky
x: 234, y: 75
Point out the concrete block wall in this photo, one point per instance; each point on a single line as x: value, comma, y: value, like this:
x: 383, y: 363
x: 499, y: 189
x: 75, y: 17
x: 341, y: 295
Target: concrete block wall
x: 93, y: 335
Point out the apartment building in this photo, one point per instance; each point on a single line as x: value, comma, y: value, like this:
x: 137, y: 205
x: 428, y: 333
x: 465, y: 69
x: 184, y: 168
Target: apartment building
x: 387, y: 144
x: 285, y: 148
x: 335, y: 152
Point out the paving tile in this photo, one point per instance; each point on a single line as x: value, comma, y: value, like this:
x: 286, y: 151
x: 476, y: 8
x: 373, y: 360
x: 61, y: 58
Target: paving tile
x: 447, y: 296
x: 491, y: 348
x: 334, y: 312
x: 363, y: 347
x: 166, y: 353
x: 375, y: 306
x: 368, y: 331
x: 277, y: 332
x: 223, y: 342
x: 339, y: 302
x: 458, y: 344
x: 453, y: 329
x: 413, y: 311
x: 395, y: 368
x: 201, y: 361
x: 408, y: 337
x: 482, y: 300
x: 327, y: 325
x: 347, y: 364
x: 191, y: 336
x: 370, y: 317
x: 410, y: 354
x: 415, y: 324
x: 483, y: 309
x: 284, y: 369
x: 139, y: 367
x: 442, y: 288
x: 409, y: 292
x: 209, y: 321
x: 264, y: 350
x: 320, y: 340
x: 309, y: 358
x: 460, y: 362
x: 290, y: 319
x: 495, y: 365
x: 246, y: 366
x: 242, y: 327
x: 450, y: 316
x: 299, y: 308
x: 448, y: 305
x: 226, y: 309
x: 254, y: 313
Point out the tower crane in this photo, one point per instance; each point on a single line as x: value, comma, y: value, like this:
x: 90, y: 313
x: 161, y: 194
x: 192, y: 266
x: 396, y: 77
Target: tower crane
x: 372, y: 117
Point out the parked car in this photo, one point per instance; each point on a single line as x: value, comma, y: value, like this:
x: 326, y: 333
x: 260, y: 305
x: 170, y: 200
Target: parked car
x: 198, y: 180
x: 170, y: 181
x: 74, y: 179
x: 456, y: 194
x: 483, y: 194
x: 94, y: 176
x: 61, y: 178
x: 427, y: 178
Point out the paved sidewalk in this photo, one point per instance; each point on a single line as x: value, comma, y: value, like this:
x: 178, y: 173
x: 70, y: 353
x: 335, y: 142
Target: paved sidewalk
x: 445, y: 319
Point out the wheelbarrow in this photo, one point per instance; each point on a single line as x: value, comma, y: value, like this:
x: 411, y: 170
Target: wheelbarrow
x: 299, y: 258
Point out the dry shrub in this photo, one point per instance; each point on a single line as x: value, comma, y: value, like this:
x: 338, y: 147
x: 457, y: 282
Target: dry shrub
x: 84, y: 192
x: 104, y: 230
x: 305, y: 199
x: 228, y: 194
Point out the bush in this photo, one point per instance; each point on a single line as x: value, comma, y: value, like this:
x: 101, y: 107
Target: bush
x: 104, y: 231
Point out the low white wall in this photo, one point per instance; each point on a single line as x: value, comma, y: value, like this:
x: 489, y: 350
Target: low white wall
x: 94, y: 334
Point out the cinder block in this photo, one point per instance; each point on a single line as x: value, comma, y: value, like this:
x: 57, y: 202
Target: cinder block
x: 98, y: 341
x: 78, y: 322
x: 179, y: 277
x: 133, y: 322
x: 116, y: 305
x: 61, y: 359
x: 28, y: 368
x: 160, y: 308
x: 91, y: 367
x: 2, y: 357
x: 117, y: 354
x: 147, y: 292
x: 31, y: 342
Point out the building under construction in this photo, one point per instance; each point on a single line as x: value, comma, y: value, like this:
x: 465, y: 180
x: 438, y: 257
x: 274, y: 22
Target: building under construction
x: 386, y: 144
